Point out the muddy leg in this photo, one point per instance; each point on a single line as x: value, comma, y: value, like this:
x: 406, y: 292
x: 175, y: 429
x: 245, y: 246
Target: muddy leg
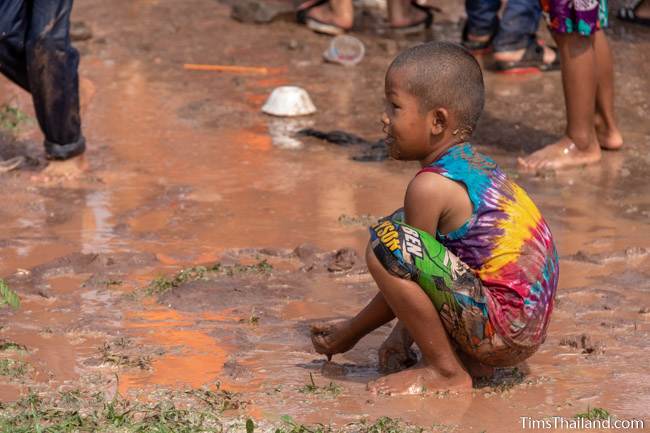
x: 579, y: 146
x: 395, y: 353
x: 609, y: 136
x: 440, y: 368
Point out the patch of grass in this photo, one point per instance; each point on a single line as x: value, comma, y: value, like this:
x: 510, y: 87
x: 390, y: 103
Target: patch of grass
x: 311, y: 388
x: 219, y: 400
x: 12, y: 118
x: 13, y: 368
x: 10, y: 346
x: 74, y: 411
x: 112, y: 353
x: 364, y: 220
x: 194, y: 411
x: 594, y: 413
x: 163, y: 284
x: 381, y: 425
x: 8, y: 296
x: 262, y: 267
x: 110, y: 282
x: 291, y: 426
x: 503, y: 379
x: 390, y: 425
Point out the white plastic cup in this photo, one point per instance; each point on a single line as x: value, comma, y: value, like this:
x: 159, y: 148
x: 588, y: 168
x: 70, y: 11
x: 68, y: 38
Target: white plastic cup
x: 288, y: 101
x: 345, y: 50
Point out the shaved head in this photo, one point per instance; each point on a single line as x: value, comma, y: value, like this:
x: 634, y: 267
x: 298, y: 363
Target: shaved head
x: 442, y: 75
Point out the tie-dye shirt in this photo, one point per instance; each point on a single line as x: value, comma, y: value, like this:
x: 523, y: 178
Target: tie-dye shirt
x: 506, y: 242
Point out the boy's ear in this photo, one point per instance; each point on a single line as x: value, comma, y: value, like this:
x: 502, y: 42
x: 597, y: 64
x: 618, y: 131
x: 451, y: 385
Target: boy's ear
x: 439, y: 120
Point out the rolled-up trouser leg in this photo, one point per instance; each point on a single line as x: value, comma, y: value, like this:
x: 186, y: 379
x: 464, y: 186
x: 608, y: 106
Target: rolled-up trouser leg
x: 52, y: 65
x: 518, y: 25
x: 482, y: 17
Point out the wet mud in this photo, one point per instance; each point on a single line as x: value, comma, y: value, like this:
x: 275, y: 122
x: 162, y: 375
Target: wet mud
x: 194, y: 250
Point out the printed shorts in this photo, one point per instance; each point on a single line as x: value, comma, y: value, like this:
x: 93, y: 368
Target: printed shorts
x: 457, y: 294
x: 582, y: 16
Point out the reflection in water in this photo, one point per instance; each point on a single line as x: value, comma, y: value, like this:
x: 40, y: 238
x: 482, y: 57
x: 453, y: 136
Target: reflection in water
x: 283, y: 132
x: 191, y: 357
x: 96, y: 233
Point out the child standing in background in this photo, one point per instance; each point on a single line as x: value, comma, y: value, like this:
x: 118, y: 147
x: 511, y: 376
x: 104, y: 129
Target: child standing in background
x: 588, y: 82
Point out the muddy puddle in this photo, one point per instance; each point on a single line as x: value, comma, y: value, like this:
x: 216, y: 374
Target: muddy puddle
x: 195, y: 251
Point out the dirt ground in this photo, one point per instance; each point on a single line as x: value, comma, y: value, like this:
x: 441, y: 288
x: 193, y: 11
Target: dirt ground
x: 184, y: 174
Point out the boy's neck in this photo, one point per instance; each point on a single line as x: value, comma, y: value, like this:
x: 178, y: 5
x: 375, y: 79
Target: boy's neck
x: 439, y: 150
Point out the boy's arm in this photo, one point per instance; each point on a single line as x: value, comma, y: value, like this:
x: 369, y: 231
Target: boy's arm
x: 426, y: 201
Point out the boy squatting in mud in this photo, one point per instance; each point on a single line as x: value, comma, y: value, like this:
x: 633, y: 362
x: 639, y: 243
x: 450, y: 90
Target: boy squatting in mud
x: 468, y: 266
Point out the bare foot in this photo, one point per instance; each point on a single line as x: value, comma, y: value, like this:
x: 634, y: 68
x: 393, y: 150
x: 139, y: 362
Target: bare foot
x: 407, y: 18
x: 395, y: 353
x: 561, y: 154
x: 420, y: 379
x: 332, y: 337
x: 609, y: 138
x: 325, y: 14
x: 69, y: 169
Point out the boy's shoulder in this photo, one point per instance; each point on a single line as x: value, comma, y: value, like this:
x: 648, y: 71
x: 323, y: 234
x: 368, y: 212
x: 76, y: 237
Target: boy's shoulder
x: 462, y: 163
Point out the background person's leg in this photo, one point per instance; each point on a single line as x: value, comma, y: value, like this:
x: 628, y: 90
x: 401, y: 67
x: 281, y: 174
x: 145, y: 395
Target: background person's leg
x: 13, y: 28
x: 518, y: 25
x: 339, y: 13
x: 52, y: 65
x: 482, y: 20
x: 579, y: 80
x: 517, y: 31
x: 402, y: 14
x: 609, y: 136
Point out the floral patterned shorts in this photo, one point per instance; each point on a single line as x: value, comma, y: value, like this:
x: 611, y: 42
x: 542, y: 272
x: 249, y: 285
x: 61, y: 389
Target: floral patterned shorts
x: 582, y: 16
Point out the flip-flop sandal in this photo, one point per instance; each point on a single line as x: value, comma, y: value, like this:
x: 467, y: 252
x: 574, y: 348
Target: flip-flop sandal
x: 314, y: 24
x: 532, y: 61
x: 476, y: 47
x: 629, y: 15
x: 11, y: 164
x: 418, y: 26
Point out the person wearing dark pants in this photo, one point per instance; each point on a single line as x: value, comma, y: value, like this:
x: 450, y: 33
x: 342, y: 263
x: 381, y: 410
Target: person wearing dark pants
x: 512, y: 37
x: 36, y: 54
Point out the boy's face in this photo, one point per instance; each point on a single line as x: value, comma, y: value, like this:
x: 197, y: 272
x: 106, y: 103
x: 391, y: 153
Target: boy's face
x: 407, y: 128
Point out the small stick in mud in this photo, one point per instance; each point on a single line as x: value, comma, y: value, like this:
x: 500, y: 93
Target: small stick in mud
x: 227, y: 68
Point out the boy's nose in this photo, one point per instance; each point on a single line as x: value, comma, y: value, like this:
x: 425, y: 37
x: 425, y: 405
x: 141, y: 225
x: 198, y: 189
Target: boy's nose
x: 384, y: 119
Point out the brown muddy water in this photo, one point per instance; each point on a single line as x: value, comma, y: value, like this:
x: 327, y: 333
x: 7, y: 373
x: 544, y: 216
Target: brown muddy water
x: 183, y: 171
